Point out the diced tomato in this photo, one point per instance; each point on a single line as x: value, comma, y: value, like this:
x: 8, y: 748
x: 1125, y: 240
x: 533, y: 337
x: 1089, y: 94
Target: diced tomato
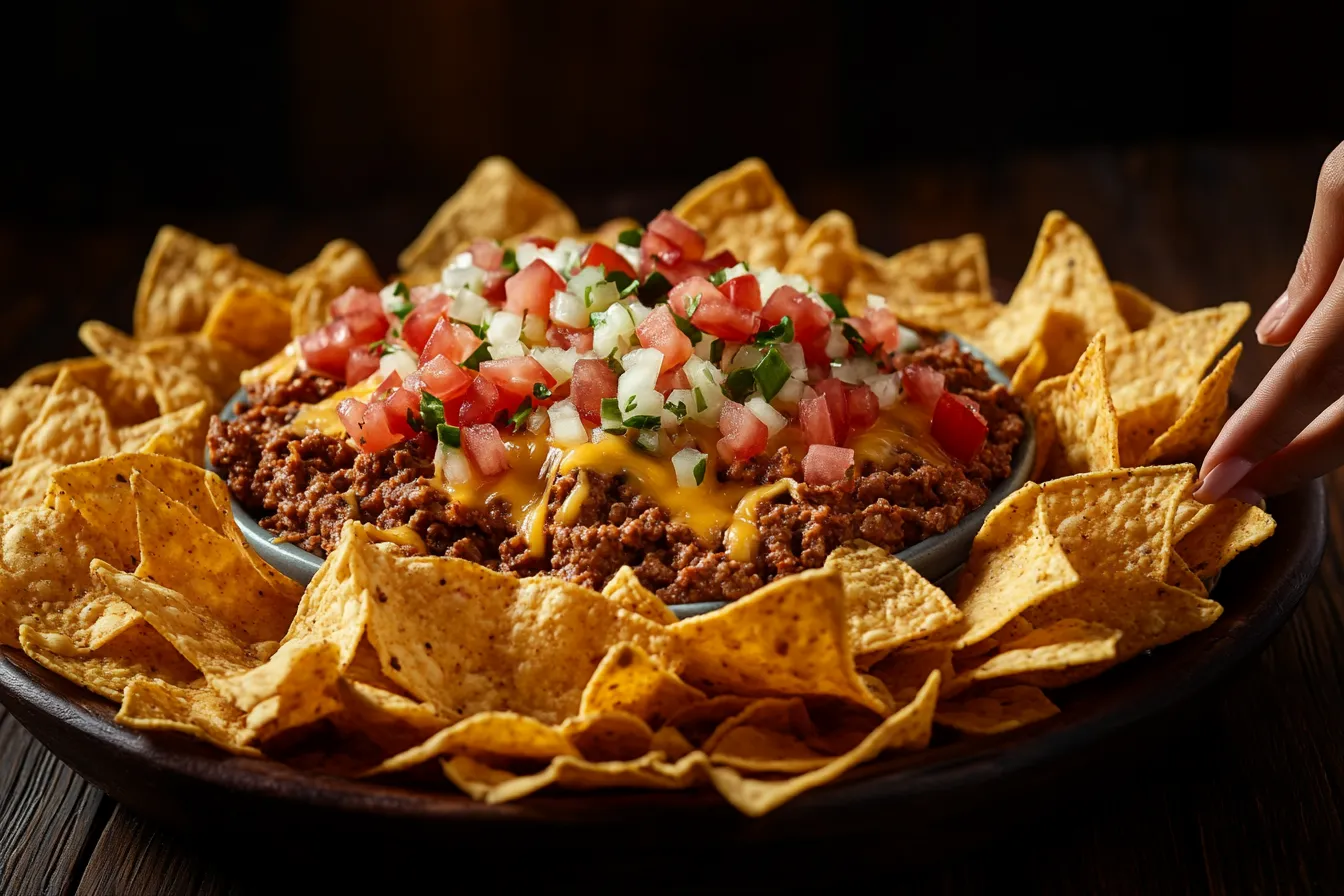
x: 388, y: 385
x: 480, y: 403
x: 422, y: 294
x: 366, y: 326
x: 362, y: 363
x: 815, y: 418
x: 744, y: 435
x: 681, y: 269
x: 886, y: 331
x: 814, y: 347
x: 808, y: 316
x: 837, y: 404
x: 351, y: 412
x: 442, y: 378
x: 450, y: 340
x: 401, y: 405
x: 958, y: 426
x: 923, y: 385
x: 861, y: 403
x: 591, y: 382
x: 606, y: 257
x: 673, y: 379
x: 689, y: 241
x: 721, y: 259
x: 827, y: 464
x: 714, y: 314
x: 659, y: 331
x: 486, y: 254
x: 423, y: 319
x: 371, y: 427
x: 529, y: 291
x: 326, y: 349
x: 516, y: 376
x: 541, y: 242
x: 485, y: 449
x: 568, y: 337
x: 744, y: 292
x: 354, y: 302
x: 492, y: 286
x: 654, y: 247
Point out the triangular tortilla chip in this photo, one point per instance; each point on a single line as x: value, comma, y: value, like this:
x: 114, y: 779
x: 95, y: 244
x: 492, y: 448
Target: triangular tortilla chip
x: 744, y: 210
x: 339, y: 266
x: 1194, y: 431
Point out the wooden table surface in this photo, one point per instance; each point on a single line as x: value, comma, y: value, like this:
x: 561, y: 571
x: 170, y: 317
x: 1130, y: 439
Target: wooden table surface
x: 1242, y: 795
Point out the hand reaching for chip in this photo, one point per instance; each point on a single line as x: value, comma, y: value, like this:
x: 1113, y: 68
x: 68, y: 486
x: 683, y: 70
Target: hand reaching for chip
x: 1291, y: 429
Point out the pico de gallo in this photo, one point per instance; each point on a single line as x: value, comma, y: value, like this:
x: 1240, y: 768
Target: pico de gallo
x: 532, y: 381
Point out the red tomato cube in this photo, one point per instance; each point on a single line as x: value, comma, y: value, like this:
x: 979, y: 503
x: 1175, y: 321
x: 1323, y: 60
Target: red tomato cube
x: 591, y: 382
x: 450, y: 340
x: 529, y: 291
x: 659, y: 331
x: 516, y: 376
x: 958, y: 427
x: 744, y: 434
x: 485, y: 449
x: 599, y: 255
x: 827, y: 464
x: 923, y: 385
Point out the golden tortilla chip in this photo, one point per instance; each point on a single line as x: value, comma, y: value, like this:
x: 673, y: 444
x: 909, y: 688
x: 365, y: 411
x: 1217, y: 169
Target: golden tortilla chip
x: 1182, y: 576
x: 107, y: 670
x: 86, y: 370
x: 1221, y: 534
x: 71, y: 426
x: 183, y: 278
x: 1117, y: 521
x: 1192, y: 434
x: 745, y: 211
x: 828, y: 255
x: 995, y: 711
x: 487, y: 735
x: 1170, y: 356
x: 784, y: 714
x: 887, y: 603
x: 394, y: 723
x: 629, y: 593
x: 496, y: 201
x: 1083, y: 423
x: 1065, y: 643
x: 180, y: 434
x: 1015, y: 563
x: 611, y: 736
x: 908, y: 729
x: 787, y: 638
x: 491, y: 785
x: 19, y: 407
x: 958, y: 265
x: 250, y: 319
x: 1139, y: 310
x: 903, y: 672
x: 298, y: 688
x: 339, y: 266
x: 128, y: 400
x: 1140, y: 425
x: 151, y: 705
x: 628, y: 680
x: 172, y: 387
x: 699, y: 720
x: 24, y: 484
x: 1189, y: 514
x: 968, y: 315
x: 1029, y: 370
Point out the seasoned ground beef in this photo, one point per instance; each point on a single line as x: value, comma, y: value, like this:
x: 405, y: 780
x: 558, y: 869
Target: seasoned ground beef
x: 303, y: 488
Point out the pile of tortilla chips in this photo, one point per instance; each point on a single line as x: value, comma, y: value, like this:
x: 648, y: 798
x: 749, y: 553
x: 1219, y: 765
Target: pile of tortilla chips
x: 404, y: 666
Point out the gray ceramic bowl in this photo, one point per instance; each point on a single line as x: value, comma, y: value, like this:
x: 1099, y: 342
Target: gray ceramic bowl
x: 935, y: 558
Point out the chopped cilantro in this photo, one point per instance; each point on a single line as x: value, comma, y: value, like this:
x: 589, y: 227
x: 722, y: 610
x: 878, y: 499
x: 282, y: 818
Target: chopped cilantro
x: 855, y: 339
x: 520, y: 416
x: 644, y: 421
x: 624, y: 282
x: 692, y: 304
x: 772, y: 372
x: 615, y: 364
x: 700, y: 403
x: 699, y: 471
x: 719, y: 277
x: 611, y: 417
x: 780, y: 332
x: 510, y: 262
x: 740, y: 383
x: 677, y: 409
x: 431, y: 412
x: 477, y: 329
x: 482, y: 353
x: 631, y: 237
x: 630, y: 403
x: 450, y: 435
x: 716, y: 352
x: 654, y: 288
x: 833, y: 302
x: 540, y: 392
x: 401, y: 290
x: 402, y: 310
x: 688, y: 328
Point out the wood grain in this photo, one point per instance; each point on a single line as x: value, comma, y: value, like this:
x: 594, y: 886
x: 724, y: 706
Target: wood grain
x: 1242, y: 794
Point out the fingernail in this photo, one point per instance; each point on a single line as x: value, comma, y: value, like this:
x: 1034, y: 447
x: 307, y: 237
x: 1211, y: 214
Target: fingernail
x: 1222, y: 479
x: 1246, y: 495
x: 1265, y: 329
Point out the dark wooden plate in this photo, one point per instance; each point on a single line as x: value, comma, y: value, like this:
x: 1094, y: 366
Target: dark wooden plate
x: 188, y: 784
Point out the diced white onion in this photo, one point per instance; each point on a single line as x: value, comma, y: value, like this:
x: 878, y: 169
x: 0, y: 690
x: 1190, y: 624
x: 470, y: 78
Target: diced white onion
x: 566, y: 426
x: 706, y: 379
x: 568, y: 309
x: 736, y: 270
x: 537, y: 420
x: 854, y: 370
x: 613, y: 332
x: 790, y: 393
x: 746, y: 356
x: 630, y: 254
x: 910, y: 340
x: 469, y: 307
x: 403, y: 362
x: 887, y: 388
x: 500, y: 350
x: 876, y: 301
x: 705, y: 347
x: 505, y: 326
x: 598, y: 435
x: 603, y: 295
x: 526, y: 253
x: 770, y: 280
x: 773, y: 419
x: 451, y: 464
x: 650, y: 440
x: 534, y: 329
x: 837, y: 346
x: 792, y: 353
x: 683, y: 396
x: 641, y: 373
x: 470, y: 277
x: 685, y: 462
x: 638, y: 311
x: 461, y: 260
x: 584, y: 280
x: 559, y: 362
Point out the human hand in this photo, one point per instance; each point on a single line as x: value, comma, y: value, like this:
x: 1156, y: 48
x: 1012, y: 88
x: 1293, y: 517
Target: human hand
x: 1291, y: 429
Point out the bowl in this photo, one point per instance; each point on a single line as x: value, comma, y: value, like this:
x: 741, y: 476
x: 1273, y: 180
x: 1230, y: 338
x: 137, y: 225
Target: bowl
x: 934, y: 558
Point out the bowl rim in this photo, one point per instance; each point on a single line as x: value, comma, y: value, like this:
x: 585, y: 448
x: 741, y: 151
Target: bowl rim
x: 936, y: 557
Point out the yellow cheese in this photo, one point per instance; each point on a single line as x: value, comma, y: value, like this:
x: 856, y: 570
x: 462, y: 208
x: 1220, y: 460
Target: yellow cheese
x: 321, y: 416
x: 403, y: 535
x: 743, y: 536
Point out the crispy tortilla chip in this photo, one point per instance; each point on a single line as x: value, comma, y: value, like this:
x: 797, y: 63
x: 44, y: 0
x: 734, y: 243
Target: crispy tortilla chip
x: 173, y: 388
x: 294, y: 688
x: 788, y: 638
x: 1222, y: 533
x: 958, y: 265
x: 1170, y: 356
x: 496, y: 201
x: 128, y: 400
x: 1029, y: 370
x: 996, y: 710
x: 887, y: 603
x: 1117, y: 521
x: 467, y: 639
x: 748, y: 748
x: 699, y: 720
x: 611, y: 736
x: 828, y: 255
x: 87, y: 370
x: 24, y: 484
x: 250, y: 319
x: 339, y: 266
x: 180, y: 434
x: 488, y: 735
x: 628, y: 680
x: 968, y: 315
x: 1182, y: 576
x: 744, y: 210
x: 1139, y: 310
x: 183, y: 278
x: 630, y: 594
x: 71, y: 426
x: 1189, y: 514
x: 1192, y: 434
x: 107, y: 670
x: 394, y: 723
x: 904, y: 671
x: 1065, y: 643
x: 650, y: 772
x: 671, y: 743
x: 1141, y: 425
x: 784, y: 714
x: 19, y: 406
x: 910, y: 728
x: 1015, y: 563
x: 1083, y: 423
x: 196, y: 710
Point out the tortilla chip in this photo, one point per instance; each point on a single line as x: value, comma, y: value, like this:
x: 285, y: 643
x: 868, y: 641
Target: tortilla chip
x: 1141, y: 424
x: 71, y: 426
x: 127, y: 399
x: 1222, y: 533
x: 958, y: 265
x: 1170, y: 356
x: 1065, y: 643
x: 24, y: 484
x: 1189, y: 514
x: 608, y: 232
x: 699, y: 720
x: 1182, y: 576
x: 394, y: 723
x: 86, y: 370
x: 995, y: 711
x: 19, y: 407
x: 611, y: 736
x: 1029, y: 370
x: 173, y: 388
x: 486, y: 735
x: 887, y: 603
x: 1139, y: 310
x: 628, y: 680
x: 293, y: 688
x: 1083, y: 422
x: 629, y: 593
x: 910, y: 728
x: 1015, y: 563
x: 467, y: 639
x: 185, y: 276
x: 787, y: 638
x: 1192, y: 434
x: 339, y: 266
x: 180, y: 434
x: 151, y: 705
x: 217, y: 574
x: 250, y: 319
x: 903, y: 672
x: 748, y: 748
x: 828, y: 255
x: 745, y: 211
x: 491, y: 785
x: 1117, y: 521
x: 969, y: 315
x: 496, y: 201
x: 107, y: 670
